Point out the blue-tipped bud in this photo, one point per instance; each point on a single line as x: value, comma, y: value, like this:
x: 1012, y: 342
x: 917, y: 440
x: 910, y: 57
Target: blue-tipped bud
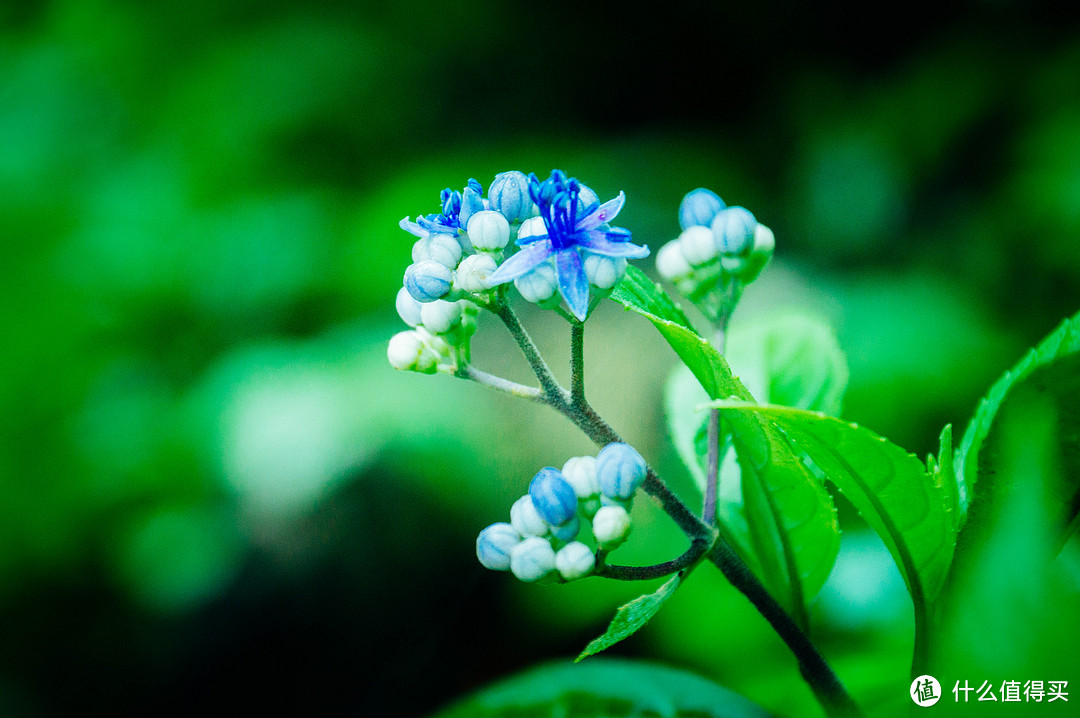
x: 552, y: 496
x: 488, y: 231
x: 427, y: 280
x: 568, y: 531
x: 733, y: 229
x: 620, y: 470
x: 699, y: 208
x: 611, y: 526
x: 494, y: 544
x: 472, y: 201
x: 509, y: 194
x: 532, y: 559
x: 575, y: 560
x: 525, y: 518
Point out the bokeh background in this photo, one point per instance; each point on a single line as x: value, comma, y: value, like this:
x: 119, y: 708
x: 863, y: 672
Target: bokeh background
x: 214, y: 492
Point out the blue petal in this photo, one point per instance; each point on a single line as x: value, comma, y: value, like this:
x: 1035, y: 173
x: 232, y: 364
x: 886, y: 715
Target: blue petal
x: 412, y: 228
x: 520, y: 263
x: 532, y: 239
x: 605, y: 213
x: 598, y: 243
x: 573, y: 284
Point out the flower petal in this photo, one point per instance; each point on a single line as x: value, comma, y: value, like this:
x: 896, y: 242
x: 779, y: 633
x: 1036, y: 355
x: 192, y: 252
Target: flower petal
x: 573, y: 284
x: 598, y: 243
x: 521, y: 262
x: 412, y: 228
x: 605, y: 213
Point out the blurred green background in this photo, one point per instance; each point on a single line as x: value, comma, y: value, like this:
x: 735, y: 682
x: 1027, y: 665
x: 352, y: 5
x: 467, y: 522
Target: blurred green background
x: 214, y: 491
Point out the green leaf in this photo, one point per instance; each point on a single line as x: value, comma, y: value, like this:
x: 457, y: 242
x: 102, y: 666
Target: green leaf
x: 889, y: 486
x: 632, y: 617
x: 791, y: 359
x: 790, y: 536
x: 1052, y: 368
x: 604, y: 688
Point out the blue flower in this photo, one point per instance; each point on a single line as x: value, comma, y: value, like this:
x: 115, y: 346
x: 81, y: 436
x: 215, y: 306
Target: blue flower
x: 572, y: 225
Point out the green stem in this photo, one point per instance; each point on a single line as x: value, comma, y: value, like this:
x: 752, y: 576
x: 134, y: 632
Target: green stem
x: 643, y: 573
x: 577, y: 361
x: 498, y: 383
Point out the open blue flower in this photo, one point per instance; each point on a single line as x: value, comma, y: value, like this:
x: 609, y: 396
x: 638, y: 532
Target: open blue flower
x: 571, y: 226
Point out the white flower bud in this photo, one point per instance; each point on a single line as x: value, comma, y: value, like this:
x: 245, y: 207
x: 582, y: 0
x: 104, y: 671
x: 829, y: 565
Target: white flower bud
x: 440, y: 316
x: 748, y: 268
x: 670, y: 262
x: 604, y: 272
x: 526, y: 519
x: 580, y: 472
x: 488, y: 231
x: 575, y: 560
x: 442, y: 248
x: 472, y: 273
x: 697, y: 245
x: 494, y: 544
x: 733, y: 228
x: 532, y: 559
x: 407, y: 307
x: 532, y: 227
x: 408, y: 352
x: 611, y: 526
x: 539, y: 285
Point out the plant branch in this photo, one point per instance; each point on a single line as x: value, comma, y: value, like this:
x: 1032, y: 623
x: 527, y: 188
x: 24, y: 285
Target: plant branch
x: 548, y: 384
x: 823, y: 681
x: 643, y: 573
x: 712, y: 479
x: 577, y: 361
x: 498, y: 383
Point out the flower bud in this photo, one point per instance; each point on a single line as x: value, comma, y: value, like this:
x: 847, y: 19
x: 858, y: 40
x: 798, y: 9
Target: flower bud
x: 620, y: 470
x: 494, y: 544
x: 575, y: 560
x: 407, y: 307
x: 488, y: 231
x: 532, y: 227
x: 553, y: 498
x: 698, y: 208
x: 428, y: 280
x: 733, y: 229
x: 472, y: 201
x: 539, y: 285
x: 472, y: 273
x: 408, y: 352
x: 532, y: 559
x: 525, y: 519
x: 442, y: 248
x: 604, y: 272
x: 611, y: 526
x: 568, y: 531
x: 764, y: 243
x: 509, y: 195
x: 670, y: 262
x: 440, y: 316
x: 697, y: 245
x: 580, y: 473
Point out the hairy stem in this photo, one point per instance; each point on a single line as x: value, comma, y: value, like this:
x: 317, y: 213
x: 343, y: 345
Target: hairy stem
x: 498, y: 383
x: 712, y: 478
x: 577, y: 361
x: 548, y: 383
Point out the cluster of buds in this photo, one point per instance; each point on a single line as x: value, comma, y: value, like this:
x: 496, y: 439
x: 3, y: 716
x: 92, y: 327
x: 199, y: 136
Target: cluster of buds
x: 541, y: 540
x: 717, y: 244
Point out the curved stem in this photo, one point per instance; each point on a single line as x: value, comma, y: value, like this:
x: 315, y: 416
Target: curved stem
x: 643, y: 573
x: 498, y: 383
x: 548, y: 383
